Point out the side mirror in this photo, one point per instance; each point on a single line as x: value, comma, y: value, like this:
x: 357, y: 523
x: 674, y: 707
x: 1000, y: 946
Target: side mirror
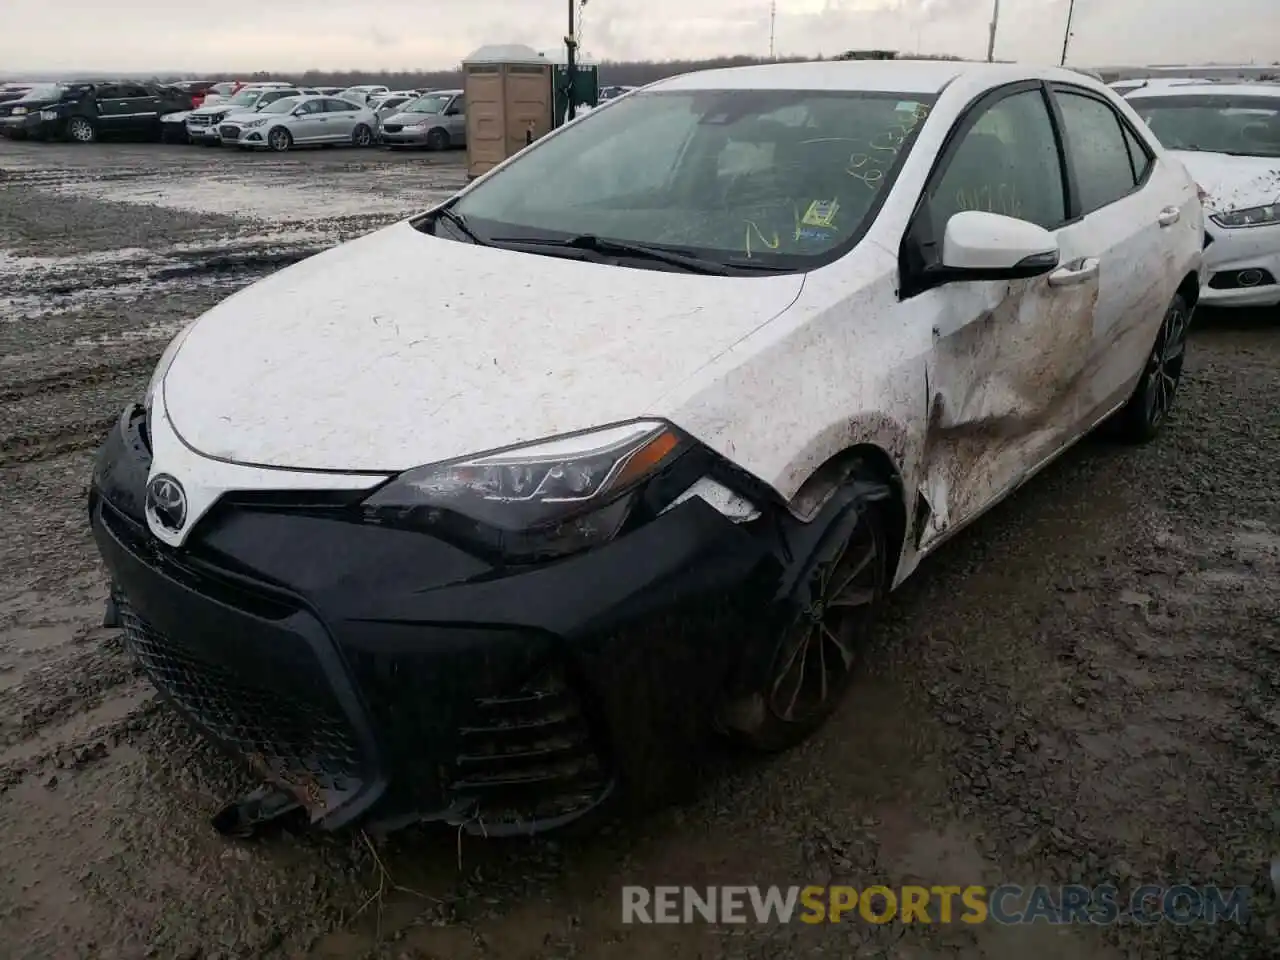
x: 990, y: 246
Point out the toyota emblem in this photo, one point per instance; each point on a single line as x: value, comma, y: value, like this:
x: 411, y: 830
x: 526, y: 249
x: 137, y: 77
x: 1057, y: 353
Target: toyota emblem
x: 167, y: 502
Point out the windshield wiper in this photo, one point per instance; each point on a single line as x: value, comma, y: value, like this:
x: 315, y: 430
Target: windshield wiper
x: 623, y: 248
x: 459, y: 222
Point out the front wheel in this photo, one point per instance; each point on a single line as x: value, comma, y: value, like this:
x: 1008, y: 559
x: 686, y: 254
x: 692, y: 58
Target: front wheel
x: 818, y: 645
x: 279, y: 140
x: 1141, y: 419
x: 81, y: 130
x: 438, y: 139
x: 362, y: 136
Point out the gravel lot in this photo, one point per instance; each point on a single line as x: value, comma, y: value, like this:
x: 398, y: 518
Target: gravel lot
x: 1082, y: 688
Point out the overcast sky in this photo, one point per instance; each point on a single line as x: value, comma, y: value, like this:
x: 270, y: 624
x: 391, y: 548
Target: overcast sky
x: 397, y: 34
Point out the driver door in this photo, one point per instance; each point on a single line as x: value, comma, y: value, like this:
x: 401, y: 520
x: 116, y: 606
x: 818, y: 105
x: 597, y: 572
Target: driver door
x: 1008, y: 358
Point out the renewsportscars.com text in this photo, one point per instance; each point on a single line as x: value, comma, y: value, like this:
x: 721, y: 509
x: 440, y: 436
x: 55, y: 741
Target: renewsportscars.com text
x: 1005, y: 904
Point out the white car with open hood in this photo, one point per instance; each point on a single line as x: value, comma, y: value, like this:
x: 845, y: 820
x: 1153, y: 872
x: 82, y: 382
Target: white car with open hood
x: 1228, y: 136
x: 489, y: 516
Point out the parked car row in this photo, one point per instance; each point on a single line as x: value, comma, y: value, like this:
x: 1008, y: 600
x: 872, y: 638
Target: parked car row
x: 269, y: 114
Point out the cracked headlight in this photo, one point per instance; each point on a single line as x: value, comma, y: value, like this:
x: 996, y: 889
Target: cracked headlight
x: 163, y: 365
x: 548, y: 498
x: 1250, y: 217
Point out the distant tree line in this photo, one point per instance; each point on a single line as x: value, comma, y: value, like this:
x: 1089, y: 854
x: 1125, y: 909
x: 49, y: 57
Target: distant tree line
x: 621, y: 72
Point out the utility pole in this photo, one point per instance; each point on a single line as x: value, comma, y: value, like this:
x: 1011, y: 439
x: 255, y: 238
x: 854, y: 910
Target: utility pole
x: 773, y: 25
x: 991, y: 41
x: 571, y: 48
x: 1066, y: 37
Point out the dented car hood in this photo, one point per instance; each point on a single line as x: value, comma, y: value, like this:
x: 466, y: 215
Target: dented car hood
x: 400, y: 349
x: 1231, y: 182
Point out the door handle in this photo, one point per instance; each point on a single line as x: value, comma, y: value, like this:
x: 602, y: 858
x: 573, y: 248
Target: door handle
x: 1076, y: 272
x: 1169, y: 216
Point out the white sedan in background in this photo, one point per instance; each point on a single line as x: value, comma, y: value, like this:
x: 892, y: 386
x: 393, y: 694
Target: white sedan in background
x: 1228, y: 136
x: 825, y: 315
x: 301, y: 121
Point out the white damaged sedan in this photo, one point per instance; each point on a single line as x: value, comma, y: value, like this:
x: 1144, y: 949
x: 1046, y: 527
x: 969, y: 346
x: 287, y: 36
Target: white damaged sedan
x: 1228, y: 136
x: 645, y: 427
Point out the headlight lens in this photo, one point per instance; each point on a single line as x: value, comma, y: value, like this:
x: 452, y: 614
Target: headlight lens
x: 546, y: 499
x: 254, y: 123
x: 19, y: 111
x: 163, y: 365
x: 1251, y: 217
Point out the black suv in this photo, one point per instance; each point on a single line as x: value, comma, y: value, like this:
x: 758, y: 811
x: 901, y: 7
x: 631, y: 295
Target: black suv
x: 83, y: 112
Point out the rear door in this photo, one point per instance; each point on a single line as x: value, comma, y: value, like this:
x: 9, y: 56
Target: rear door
x: 1004, y: 371
x: 1133, y: 211
x: 139, y: 107
x: 340, y: 119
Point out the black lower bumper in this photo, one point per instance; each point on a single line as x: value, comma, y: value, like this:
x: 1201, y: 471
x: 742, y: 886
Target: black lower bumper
x: 386, y: 675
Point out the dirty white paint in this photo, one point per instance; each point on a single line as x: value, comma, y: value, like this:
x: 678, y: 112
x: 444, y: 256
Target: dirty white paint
x: 400, y: 349
x: 1239, y: 183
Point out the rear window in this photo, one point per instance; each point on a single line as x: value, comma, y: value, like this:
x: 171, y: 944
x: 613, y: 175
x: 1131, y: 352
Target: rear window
x: 776, y: 178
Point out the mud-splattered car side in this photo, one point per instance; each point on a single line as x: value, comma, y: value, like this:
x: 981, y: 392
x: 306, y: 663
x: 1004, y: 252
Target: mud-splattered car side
x: 505, y: 559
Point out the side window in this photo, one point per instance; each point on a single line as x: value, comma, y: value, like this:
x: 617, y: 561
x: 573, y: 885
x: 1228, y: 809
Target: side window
x: 339, y: 106
x: 1006, y: 163
x: 133, y: 90
x: 1099, y: 152
x: 1139, y: 155
x: 108, y: 91
x: 458, y: 106
x: 311, y: 106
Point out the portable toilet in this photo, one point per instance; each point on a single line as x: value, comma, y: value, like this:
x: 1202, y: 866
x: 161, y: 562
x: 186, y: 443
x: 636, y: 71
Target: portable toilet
x: 508, y: 90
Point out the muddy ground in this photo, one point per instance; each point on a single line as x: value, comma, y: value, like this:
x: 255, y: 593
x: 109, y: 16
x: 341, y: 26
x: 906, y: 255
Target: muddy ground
x: 1082, y: 688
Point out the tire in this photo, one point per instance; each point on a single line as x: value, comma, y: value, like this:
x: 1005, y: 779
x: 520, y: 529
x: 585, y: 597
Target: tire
x: 280, y: 140
x: 81, y: 130
x: 438, y: 139
x: 816, y: 648
x: 1141, y: 419
x: 361, y: 136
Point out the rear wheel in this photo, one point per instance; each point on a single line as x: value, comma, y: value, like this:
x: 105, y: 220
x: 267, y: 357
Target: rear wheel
x: 279, y: 140
x: 1142, y: 417
x: 438, y: 139
x: 818, y: 646
x: 81, y: 130
x: 362, y: 136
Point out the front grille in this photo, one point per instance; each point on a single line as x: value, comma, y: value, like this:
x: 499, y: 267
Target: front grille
x: 199, y: 121
x: 393, y: 127
x: 529, y: 757
x: 229, y: 132
x: 269, y: 703
x: 1241, y: 279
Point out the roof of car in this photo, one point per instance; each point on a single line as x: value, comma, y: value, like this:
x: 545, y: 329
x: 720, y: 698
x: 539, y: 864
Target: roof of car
x: 1237, y: 89
x: 896, y: 76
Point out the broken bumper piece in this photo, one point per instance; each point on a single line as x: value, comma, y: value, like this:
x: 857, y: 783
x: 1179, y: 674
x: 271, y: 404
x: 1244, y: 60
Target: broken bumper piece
x: 387, y: 677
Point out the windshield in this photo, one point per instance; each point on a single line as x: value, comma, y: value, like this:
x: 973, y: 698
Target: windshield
x: 768, y: 178
x: 429, y: 104
x: 44, y: 91
x: 245, y: 98
x: 283, y: 105
x: 1241, y: 125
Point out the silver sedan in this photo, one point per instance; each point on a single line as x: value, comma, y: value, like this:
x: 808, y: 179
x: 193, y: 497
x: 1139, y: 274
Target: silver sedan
x: 301, y: 121
x: 437, y: 121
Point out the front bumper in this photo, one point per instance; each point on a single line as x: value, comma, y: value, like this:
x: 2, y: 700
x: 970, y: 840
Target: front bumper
x: 1242, y: 266
x: 203, y: 133
x: 385, y: 675
x: 405, y: 136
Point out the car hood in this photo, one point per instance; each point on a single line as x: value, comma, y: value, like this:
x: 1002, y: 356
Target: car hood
x: 221, y: 106
x: 1233, y: 183
x: 400, y: 349
x: 175, y: 116
x: 407, y: 118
